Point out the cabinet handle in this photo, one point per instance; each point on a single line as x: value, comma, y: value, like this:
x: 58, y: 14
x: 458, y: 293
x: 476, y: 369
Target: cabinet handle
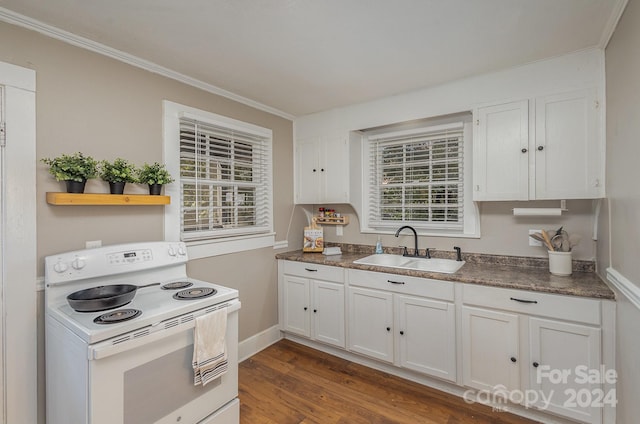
x: 540, y: 148
x: 315, y: 311
x: 322, y: 169
x: 536, y: 365
x: 395, y: 282
x: 305, y: 308
x: 524, y: 150
x: 388, y: 328
x: 513, y: 359
x: 311, y: 270
x: 401, y: 333
x: 523, y: 300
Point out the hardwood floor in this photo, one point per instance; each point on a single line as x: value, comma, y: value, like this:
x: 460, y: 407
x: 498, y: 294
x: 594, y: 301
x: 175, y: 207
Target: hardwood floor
x: 290, y: 383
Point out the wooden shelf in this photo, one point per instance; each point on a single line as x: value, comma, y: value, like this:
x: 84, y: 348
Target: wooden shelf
x: 343, y: 220
x: 76, y: 199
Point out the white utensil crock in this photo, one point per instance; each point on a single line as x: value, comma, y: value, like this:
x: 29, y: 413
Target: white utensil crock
x: 560, y: 263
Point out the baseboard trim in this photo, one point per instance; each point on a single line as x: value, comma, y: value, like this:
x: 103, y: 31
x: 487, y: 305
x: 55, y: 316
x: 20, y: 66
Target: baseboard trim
x: 624, y: 286
x: 256, y: 343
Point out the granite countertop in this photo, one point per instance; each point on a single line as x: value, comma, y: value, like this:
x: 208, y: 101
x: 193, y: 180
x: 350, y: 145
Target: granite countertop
x: 488, y: 270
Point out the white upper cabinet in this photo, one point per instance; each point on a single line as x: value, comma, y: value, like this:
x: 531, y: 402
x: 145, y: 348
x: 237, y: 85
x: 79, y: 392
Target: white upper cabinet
x: 551, y: 150
x: 500, y: 152
x: 569, y: 151
x: 322, y: 170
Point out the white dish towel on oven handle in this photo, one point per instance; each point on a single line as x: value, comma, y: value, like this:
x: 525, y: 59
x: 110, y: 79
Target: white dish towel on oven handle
x: 209, y: 347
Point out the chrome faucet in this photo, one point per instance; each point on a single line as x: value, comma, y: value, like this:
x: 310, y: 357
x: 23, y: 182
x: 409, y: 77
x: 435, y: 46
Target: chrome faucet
x: 415, y: 238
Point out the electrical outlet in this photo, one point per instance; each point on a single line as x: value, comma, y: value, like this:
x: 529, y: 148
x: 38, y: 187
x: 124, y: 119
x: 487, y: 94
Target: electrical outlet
x: 93, y: 244
x: 339, y: 230
x: 532, y: 241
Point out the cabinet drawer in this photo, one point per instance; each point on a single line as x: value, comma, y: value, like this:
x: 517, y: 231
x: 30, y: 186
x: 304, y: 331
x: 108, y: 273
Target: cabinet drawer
x: 425, y: 287
x: 534, y: 303
x: 313, y: 271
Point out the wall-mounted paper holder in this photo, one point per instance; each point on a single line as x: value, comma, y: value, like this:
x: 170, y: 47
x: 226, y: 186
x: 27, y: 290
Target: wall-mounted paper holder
x: 541, y: 211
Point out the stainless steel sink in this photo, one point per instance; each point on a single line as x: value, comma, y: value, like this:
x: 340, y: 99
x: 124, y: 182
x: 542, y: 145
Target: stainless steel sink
x: 445, y: 266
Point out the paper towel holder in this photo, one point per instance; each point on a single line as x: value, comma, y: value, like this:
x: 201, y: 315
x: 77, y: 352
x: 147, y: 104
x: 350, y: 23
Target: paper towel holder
x: 541, y: 211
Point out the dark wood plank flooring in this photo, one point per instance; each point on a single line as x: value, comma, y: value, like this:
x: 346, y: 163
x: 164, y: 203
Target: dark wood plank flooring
x: 290, y: 383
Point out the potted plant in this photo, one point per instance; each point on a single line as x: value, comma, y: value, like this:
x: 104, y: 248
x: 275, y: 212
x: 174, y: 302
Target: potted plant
x: 117, y: 173
x: 155, y: 175
x: 73, y: 169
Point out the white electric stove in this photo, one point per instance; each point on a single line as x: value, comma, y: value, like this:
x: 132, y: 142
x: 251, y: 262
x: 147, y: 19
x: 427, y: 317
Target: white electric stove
x: 135, y: 371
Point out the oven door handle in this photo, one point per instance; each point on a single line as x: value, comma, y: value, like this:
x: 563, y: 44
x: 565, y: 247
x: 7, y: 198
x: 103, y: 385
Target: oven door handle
x: 148, y: 334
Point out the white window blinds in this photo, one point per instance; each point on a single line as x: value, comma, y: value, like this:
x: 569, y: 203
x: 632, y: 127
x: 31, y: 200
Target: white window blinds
x: 225, y: 179
x: 416, y: 177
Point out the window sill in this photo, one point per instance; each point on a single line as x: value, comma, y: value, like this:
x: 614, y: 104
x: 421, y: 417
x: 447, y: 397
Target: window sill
x: 209, y: 248
x: 423, y: 232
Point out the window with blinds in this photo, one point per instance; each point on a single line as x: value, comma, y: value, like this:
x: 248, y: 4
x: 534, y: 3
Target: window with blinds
x: 225, y: 181
x: 416, y: 177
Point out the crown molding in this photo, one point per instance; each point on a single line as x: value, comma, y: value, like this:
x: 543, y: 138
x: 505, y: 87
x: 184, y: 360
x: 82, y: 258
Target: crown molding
x: 612, y: 23
x: 84, y: 43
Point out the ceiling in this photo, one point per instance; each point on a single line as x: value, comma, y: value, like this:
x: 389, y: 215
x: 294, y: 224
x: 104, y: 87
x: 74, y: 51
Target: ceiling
x: 303, y: 56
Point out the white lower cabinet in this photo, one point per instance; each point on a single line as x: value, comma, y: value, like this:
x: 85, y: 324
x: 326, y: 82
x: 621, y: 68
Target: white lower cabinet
x: 490, y: 349
x: 297, y: 300
x: 427, y: 336
x: 413, y: 332
x: 370, y: 318
x: 328, y: 312
x: 311, y: 306
x: 563, y: 357
x: 527, y: 350
x: 544, y: 351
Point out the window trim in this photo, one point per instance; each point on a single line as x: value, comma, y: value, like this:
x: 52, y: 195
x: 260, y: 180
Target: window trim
x: 471, y: 217
x: 172, y: 112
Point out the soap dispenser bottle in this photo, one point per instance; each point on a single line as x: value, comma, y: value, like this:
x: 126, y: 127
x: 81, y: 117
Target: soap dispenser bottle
x: 379, y: 246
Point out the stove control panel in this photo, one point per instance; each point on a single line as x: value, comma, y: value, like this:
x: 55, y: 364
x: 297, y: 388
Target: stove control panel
x: 129, y: 257
x: 113, y: 260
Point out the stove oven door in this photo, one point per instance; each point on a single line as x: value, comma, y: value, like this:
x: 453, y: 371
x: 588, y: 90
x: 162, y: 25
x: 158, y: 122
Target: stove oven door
x: 149, y: 378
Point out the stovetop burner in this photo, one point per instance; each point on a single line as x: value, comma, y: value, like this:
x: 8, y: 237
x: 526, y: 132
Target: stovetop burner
x: 177, y: 285
x: 195, y: 293
x: 115, y: 317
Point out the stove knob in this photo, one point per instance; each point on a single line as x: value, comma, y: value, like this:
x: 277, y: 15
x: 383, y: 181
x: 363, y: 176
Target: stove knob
x: 78, y: 263
x: 181, y: 251
x: 60, y: 266
x: 172, y: 251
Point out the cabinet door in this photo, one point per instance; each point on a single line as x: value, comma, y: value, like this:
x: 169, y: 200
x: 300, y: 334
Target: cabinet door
x: 334, y: 169
x: 371, y: 323
x: 296, y: 306
x: 561, y: 355
x: 328, y: 313
x: 501, y: 152
x: 426, y: 333
x: 307, y: 171
x: 568, y: 151
x: 490, y: 350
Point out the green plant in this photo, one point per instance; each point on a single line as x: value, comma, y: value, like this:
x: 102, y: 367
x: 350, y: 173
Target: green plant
x: 118, y: 171
x: 75, y: 167
x: 154, y: 174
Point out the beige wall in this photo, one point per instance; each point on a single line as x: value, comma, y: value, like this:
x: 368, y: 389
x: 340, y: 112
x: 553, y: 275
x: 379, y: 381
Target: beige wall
x: 620, y: 247
x: 104, y: 108
x: 623, y: 142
